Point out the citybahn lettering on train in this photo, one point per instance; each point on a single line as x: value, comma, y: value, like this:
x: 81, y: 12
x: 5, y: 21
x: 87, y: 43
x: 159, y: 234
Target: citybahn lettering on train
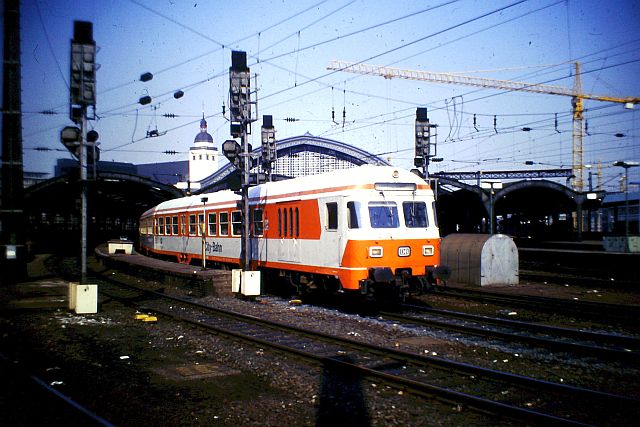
x: 213, y: 247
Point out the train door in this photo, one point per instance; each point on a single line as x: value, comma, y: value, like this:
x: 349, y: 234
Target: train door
x: 332, y: 239
x: 288, y: 232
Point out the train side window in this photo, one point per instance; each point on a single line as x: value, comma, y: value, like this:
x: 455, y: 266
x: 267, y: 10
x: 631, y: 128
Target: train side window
x: 415, y: 214
x: 332, y: 216
x: 161, y: 225
x: 353, y: 211
x: 236, y: 223
x: 224, y: 223
x: 279, y: 223
x: 201, y: 228
x: 192, y: 225
x: 167, y: 226
x: 174, y: 225
x: 213, y: 224
x: 183, y: 225
x: 297, y: 223
x: 258, y: 222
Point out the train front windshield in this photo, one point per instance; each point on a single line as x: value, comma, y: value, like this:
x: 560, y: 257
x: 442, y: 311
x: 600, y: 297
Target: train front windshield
x: 383, y: 215
x: 415, y: 214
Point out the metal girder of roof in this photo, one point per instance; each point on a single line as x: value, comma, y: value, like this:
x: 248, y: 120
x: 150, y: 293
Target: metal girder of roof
x: 521, y: 174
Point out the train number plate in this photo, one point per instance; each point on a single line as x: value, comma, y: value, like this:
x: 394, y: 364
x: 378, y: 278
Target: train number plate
x: 404, y: 251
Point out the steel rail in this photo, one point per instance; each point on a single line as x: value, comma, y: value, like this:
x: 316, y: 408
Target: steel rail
x: 583, y: 349
x: 480, y: 403
x: 606, y: 310
x: 420, y: 388
x: 614, y: 339
x: 66, y: 400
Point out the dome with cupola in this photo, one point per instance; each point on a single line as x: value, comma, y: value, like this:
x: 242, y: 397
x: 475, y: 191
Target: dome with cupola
x: 203, y: 155
x: 203, y: 136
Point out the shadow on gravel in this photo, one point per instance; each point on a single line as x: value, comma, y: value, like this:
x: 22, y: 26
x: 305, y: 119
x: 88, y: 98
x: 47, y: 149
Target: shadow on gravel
x: 342, y: 401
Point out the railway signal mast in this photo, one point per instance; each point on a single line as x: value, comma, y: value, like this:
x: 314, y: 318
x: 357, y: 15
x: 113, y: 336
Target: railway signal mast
x: 241, y: 117
x: 268, y: 146
x: 575, y: 93
x: 82, y: 105
x: 425, y: 138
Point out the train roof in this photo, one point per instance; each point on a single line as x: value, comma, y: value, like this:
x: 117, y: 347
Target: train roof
x: 336, y: 180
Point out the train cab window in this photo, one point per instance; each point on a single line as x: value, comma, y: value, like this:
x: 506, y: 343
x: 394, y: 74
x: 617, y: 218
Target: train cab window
x: 201, y: 228
x: 193, y: 226
x: 224, y: 223
x: 353, y: 214
x: 183, y: 225
x: 167, y: 226
x: 258, y: 222
x: 383, y: 215
x: 435, y: 217
x: 332, y: 216
x: 161, y: 225
x: 213, y: 224
x: 174, y: 225
x: 415, y: 214
x: 236, y: 223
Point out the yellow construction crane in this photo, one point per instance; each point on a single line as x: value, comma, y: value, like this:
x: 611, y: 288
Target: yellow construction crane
x: 577, y: 97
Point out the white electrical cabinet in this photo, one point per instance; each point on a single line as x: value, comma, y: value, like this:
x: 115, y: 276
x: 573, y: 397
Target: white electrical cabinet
x: 245, y: 282
x: 83, y: 299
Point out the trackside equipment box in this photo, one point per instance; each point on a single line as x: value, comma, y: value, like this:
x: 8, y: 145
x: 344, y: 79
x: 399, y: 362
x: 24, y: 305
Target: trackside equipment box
x: 245, y: 282
x: 83, y: 299
x: 480, y: 259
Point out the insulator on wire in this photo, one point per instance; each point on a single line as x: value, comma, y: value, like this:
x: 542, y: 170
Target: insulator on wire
x: 145, y: 77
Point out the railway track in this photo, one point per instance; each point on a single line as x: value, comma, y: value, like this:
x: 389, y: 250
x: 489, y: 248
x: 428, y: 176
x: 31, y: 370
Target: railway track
x: 621, y: 313
x: 489, y: 391
x: 606, y: 346
x: 67, y: 410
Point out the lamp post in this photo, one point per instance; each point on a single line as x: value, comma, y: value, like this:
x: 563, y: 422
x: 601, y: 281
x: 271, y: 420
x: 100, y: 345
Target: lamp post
x: 626, y: 166
x: 491, y: 185
x: 203, y: 229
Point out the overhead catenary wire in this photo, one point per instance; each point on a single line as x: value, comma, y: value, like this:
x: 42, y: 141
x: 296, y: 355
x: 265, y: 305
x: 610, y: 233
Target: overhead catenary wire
x: 355, y: 120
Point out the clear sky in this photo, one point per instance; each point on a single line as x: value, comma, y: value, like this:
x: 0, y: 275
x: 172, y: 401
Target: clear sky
x: 187, y: 45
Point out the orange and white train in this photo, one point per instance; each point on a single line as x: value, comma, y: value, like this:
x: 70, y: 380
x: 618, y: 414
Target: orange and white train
x: 370, y: 229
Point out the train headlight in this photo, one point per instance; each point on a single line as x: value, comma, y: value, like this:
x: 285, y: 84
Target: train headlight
x: 427, y: 250
x: 375, y: 252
